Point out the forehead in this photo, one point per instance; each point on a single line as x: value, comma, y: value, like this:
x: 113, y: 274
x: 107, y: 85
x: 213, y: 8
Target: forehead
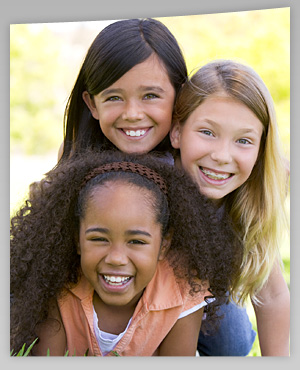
x: 151, y: 69
x: 120, y: 193
x: 121, y: 206
x: 226, y: 110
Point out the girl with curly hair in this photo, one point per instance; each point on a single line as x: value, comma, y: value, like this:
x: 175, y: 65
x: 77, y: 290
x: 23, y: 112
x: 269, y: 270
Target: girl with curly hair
x: 226, y: 137
x: 117, y: 254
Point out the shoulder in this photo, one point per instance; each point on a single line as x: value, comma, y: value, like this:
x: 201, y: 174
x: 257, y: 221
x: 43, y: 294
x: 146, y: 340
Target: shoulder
x: 166, y: 289
x: 71, y: 299
x: 52, y: 335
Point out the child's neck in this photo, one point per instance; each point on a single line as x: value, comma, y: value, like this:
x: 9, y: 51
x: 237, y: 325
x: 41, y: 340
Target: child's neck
x: 112, y: 319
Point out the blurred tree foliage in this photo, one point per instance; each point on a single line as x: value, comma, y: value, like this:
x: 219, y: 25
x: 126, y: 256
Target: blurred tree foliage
x: 40, y: 76
x: 35, y: 85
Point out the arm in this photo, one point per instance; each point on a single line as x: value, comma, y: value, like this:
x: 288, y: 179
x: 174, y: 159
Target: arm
x: 60, y: 151
x: 183, y: 337
x: 51, y: 335
x: 273, y: 315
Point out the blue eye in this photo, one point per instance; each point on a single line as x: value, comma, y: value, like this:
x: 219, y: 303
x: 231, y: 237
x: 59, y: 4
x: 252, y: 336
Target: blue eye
x: 206, y: 132
x: 244, y: 141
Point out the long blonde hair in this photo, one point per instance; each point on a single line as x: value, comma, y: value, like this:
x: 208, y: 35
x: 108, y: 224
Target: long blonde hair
x: 257, y: 207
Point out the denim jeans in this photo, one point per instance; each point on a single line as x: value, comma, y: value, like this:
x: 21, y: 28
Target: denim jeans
x: 234, y: 337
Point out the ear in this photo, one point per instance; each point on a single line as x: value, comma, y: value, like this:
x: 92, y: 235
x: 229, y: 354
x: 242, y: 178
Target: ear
x: 76, y: 241
x: 165, y: 245
x: 175, y: 134
x: 89, y: 101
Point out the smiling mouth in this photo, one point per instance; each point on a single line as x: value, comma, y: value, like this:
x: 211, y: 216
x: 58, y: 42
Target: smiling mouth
x: 116, y: 280
x: 215, y: 175
x: 135, y: 133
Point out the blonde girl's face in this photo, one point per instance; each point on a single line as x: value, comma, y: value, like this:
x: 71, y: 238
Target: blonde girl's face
x: 119, y: 243
x: 219, y: 144
x: 135, y: 112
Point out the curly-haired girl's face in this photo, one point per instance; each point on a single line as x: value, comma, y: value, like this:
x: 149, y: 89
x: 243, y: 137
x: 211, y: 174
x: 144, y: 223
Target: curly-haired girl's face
x: 119, y: 243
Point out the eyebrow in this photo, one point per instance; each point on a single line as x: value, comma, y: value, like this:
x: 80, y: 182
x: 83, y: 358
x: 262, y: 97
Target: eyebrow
x: 97, y: 229
x: 142, y: 88
x: 248, y: 131
x: 242, y: 130
x: 152, y: 88
x: 106, y: 231
x: 110, y: 91
x: 135, y: 232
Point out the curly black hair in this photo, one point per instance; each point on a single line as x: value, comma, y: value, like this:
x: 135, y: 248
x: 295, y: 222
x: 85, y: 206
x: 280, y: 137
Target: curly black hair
x: 44, y: 231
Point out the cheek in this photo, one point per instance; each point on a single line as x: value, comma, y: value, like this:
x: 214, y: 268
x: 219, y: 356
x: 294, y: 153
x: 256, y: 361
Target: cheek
x: 108, y: 116
x: 191, y: 147
x: 165, y: 126
x: 89, y: 263
x: 148, y: 258
x: 147, y: 268
x: 105, y: 119
x: 90, y: 255
x: 162, y: 116
x: 168, y: 109
x: 247, y: 165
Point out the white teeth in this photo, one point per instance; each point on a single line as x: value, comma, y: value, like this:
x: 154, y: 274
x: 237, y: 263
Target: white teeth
x: 215, y: 176
x: 117, y: 280
x: 135, y: 133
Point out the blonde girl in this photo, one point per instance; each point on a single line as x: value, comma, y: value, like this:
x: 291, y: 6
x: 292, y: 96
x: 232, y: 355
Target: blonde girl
x: 226, y: 137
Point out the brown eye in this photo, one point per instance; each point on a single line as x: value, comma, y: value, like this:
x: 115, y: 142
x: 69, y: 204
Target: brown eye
x: 99, y: 239
x: 113, y: 98
x: 151, y: 96
x: 136, y: 241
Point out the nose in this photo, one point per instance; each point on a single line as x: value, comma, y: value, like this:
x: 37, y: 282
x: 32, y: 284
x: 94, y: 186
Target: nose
x: 132, y: 111
x: 221, y: 152
x: 116, y: 255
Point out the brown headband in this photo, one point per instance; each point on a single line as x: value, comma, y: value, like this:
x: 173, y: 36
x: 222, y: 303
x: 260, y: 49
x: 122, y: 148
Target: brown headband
x: 128, y: 167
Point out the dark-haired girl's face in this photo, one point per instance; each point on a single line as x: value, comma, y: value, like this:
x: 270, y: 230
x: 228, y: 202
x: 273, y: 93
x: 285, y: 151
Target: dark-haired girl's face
x: 135, y: 112
x: 120, y: 242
